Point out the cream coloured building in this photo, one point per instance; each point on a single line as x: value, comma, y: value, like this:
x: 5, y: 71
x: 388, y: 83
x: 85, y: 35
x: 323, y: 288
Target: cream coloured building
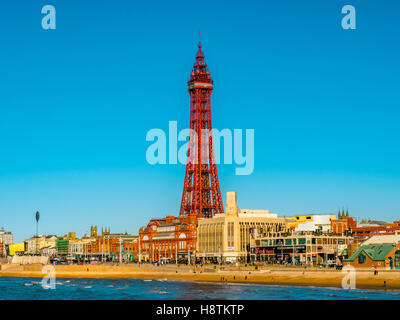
x: 76, y: 246
x: 226, y: 236
x: 35, y: 244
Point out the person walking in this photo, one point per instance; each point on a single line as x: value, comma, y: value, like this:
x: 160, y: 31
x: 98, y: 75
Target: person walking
x: 376, y: 270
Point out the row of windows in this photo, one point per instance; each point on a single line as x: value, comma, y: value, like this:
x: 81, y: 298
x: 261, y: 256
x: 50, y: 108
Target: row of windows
x: 210, y: 235
x: 231, y: 235
x: 300, y: 241
x: 210, y: 238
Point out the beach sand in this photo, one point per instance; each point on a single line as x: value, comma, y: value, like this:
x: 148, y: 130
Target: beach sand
x: 365, y: 279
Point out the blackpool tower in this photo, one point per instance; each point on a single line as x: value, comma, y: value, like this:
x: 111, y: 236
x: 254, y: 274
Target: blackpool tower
x: 201, y: 193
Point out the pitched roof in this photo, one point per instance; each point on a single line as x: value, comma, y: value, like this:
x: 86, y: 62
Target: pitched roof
x: 375, y: 252
x: 382, y: 239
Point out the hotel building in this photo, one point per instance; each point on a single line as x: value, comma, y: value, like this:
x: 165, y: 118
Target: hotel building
x: 168, y: 239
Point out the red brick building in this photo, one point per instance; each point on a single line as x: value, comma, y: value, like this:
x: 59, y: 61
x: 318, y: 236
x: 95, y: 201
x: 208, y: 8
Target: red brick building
x: 362, y: 232
x: 168, y: 239
x: 343, y: 223
x: 110, y: 246
x: 381, y: 256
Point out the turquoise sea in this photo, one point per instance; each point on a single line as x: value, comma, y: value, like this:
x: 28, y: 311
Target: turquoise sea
x: 136, y: 289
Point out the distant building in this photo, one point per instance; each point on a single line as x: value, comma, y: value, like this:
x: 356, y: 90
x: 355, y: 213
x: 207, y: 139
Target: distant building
x: 112, y: 245
x: 344, y: 223
x: 104, y: 247
x: 79, y: 247
x: 30, y: 245
x: 226, y: 236
x: 62, y: 245
x: 35, y: 244
x: 49, y: 251
x: 380, y: 255
x: 6, y: 238
x: 311, y: 222
x: 383, y: 239
x: 371, y: 228
x: 93, y: 232
x: 16, y: 248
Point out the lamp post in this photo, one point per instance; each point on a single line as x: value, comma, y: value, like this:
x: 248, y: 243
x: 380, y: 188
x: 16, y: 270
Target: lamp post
x: 188, y: 254
x: 140, y: 252
x: 120, y: 245
x: 293, y: 261
x: 37, y: 216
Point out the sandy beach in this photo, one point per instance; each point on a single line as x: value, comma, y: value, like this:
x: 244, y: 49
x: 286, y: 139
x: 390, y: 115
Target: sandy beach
x: 365, y: 279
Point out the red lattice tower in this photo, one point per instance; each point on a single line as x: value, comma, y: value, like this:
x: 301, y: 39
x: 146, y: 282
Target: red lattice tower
x: 201, y: 193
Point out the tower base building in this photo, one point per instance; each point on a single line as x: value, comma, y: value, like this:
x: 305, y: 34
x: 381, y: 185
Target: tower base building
x: 226, y: 237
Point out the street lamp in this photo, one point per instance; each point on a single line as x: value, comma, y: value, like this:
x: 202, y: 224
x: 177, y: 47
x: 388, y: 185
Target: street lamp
x: 37, y: 216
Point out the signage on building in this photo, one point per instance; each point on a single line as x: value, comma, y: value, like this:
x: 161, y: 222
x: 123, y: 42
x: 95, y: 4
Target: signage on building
x: 264, y: 251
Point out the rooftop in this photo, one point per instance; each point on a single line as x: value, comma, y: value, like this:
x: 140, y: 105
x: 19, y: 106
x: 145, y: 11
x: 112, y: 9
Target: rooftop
x: 376, y: 252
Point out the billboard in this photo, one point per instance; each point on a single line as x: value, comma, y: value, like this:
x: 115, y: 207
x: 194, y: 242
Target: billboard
x: 16, y: 247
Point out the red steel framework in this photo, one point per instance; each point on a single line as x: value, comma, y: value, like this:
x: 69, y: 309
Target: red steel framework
x: 201, y: 193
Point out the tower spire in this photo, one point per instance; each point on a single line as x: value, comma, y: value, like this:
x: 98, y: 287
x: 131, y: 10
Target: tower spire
x: 200, y: 54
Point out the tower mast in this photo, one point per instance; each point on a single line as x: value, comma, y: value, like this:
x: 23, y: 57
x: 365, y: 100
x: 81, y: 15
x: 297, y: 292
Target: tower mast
x: 201, y: 192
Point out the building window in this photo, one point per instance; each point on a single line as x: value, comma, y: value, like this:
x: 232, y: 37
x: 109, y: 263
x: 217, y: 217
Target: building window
x: 362, y: 258
x: 231, y: 236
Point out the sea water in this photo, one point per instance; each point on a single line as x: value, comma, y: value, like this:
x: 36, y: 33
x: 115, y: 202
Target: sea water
x: 137, y: 289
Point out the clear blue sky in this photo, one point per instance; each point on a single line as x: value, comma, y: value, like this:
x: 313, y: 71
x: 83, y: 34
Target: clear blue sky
x: 76, y: 104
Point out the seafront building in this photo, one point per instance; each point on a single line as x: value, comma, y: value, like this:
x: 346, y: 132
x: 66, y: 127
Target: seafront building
x: 36, y: 244
x: 6, y: 238
x: 117, y: 247
x: 107, y: 246
x: 226, y: 236
x: 16, y: 248
x: 375, y: 255
x: 169, y: 239
x: 299, y: 247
